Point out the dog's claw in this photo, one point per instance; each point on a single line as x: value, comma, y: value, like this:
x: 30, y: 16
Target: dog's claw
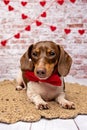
x: 42, y: 106
x: 68, y: 105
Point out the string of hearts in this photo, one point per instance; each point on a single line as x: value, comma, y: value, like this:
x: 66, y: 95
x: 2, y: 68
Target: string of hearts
x: 24, y: 17
x: 37, y: 22
x: 42, y: 3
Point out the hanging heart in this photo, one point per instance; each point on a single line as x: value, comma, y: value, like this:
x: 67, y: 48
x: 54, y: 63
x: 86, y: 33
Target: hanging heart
x: 73, y: 1
x: 24, y: 16
x: 3, y: 43
x: 67, y: 31
x: 81, y: 32
x: 60, y: 2
x: 17, y: 35
x: 38, y: 23
x: 43, y: 3
x: 6, y: 2
x: 43, y: 14
x: 53, y: 28
x: 28, y: 28
x: 23, y: 3
x: 10, y: 8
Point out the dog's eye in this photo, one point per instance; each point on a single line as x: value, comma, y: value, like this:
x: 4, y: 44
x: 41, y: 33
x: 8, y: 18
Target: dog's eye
x: 52, y: 53
x: 35, y: 54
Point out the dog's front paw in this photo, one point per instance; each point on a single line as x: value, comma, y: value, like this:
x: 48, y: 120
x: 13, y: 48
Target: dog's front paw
x: 42, y: 106
x: 67, y: 105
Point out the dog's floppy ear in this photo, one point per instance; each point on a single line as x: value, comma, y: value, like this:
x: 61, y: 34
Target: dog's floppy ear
x: 64, y: 63
x: 26, y: 61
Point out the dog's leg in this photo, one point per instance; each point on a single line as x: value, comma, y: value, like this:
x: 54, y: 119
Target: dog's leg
x: 35, y: 97
x: 63, y: 102
x: 38, y: 101
x: 19, y: 81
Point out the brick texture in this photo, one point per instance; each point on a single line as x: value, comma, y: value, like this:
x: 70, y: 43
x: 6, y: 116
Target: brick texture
x: 69, y: 28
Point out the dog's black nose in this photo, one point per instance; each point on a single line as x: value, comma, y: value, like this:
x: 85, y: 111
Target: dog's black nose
x: 41, y: 73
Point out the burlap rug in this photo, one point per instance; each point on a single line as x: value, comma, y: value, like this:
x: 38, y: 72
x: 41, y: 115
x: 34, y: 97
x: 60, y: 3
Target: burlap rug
x: 15, y: 106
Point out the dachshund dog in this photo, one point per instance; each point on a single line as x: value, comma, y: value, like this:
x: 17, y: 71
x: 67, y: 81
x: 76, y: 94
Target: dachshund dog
x: 43, y: 63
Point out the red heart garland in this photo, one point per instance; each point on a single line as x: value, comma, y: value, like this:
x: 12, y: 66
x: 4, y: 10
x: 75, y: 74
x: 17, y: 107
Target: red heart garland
x: 53, y: 28
x: 38, y: 23
x: 28, y: 28
x: 24, y: 16
x: 6, y: 2
x: 73, y: 1
x: 3, y: 43
x: 10, y: 8
x: 81, y: 32
x: 23, y: 3
x: 17, y: 35
x: 42, y: 3
x: 60, y: 2
x: 67, y: 31
x: 43, y: 14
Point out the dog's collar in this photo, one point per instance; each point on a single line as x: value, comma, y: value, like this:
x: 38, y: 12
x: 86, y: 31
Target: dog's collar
x: 54, y: 79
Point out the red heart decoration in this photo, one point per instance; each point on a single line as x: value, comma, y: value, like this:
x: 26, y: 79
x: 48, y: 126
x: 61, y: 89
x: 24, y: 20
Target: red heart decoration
x: 73, y: 1
x: 42, y: 3
x: 53, y: 28
x: 67, y: 31
x: 38, y: 23
x: 43, y: 14
x: 24, y: 16
x: 10, y: 8
x: 28, y: 28
x: 3, y: 43
x: 23, y: 3
x: 6, y: 2
x: 17, y: 35
x: 81, y: 32
x: 60, y: 2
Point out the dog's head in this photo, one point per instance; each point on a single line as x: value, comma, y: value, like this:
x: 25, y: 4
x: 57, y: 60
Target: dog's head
x: 44, y: 57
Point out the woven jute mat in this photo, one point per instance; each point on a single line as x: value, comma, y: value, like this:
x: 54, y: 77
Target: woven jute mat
x: 15, y: 105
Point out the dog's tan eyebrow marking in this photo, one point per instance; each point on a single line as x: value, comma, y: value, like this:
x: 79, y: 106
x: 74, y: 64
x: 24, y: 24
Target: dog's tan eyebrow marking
x: 49, y: 50
x: 37, y: 50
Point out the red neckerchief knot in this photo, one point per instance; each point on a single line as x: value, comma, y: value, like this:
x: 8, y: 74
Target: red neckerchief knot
x: 54, y: 79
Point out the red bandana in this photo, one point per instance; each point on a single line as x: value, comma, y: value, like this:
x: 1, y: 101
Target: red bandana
x: 54, y: 79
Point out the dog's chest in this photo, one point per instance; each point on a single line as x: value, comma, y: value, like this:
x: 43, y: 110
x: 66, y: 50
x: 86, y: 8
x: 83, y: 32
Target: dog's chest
x: 47, y: 91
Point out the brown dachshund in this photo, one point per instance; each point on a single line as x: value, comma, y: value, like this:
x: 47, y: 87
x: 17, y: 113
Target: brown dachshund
x: 43, y: 67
